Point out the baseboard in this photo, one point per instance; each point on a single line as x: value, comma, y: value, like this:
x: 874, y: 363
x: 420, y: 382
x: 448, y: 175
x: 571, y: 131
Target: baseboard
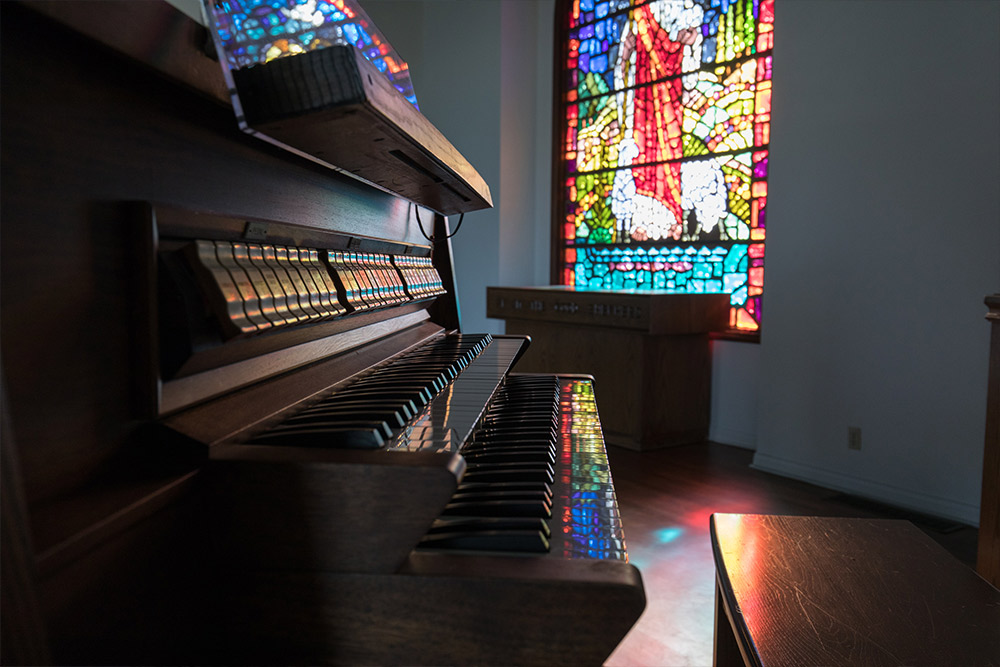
x: 965, y: 513
x: 733, y: 436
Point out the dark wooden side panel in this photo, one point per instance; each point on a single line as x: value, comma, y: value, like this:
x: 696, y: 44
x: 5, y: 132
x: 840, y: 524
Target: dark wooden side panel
x: 284, y: 508
x: 676, y: 394
x: 141, y: 596
x: 22, y: 640
x: 83, y: 130
x: 442, y: 614
x: 113, y: 517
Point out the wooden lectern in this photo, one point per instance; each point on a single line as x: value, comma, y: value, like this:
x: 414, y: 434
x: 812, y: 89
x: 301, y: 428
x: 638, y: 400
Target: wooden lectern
x: 647, y: 350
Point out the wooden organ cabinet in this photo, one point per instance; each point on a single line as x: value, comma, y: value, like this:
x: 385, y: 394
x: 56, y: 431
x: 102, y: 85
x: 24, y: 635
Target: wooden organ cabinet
x: 240, y: 421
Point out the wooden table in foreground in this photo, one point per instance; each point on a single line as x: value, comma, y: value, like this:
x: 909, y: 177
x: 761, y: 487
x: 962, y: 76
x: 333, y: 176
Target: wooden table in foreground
x: 830, y: 591
x: 648, y: 351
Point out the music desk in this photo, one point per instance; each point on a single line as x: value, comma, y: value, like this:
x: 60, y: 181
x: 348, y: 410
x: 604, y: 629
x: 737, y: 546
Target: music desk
x: 647, y: 350
x: 830, y: 591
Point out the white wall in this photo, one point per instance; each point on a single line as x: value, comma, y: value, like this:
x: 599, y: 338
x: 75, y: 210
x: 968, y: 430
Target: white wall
x: 526, y: 142
x: 883, y: 240
x: 192, y: 8
x: 735, y: 386
x: 477, y: 75
x: 454, y: 67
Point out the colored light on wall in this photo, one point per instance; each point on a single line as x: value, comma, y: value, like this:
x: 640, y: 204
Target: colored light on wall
x: 667, y: 106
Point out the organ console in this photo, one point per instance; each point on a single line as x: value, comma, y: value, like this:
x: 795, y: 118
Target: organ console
x: 241, y: 421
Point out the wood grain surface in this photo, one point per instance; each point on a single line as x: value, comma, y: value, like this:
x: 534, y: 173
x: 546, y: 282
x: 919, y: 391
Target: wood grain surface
x: 313, y: 510
x: 834, y: 591
x: 439, y: 610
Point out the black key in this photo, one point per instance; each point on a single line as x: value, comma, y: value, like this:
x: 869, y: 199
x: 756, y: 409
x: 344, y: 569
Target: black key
x: 526, y: 541
x: 511, y: 437
x: 520, y: 422
x: 472, y: 524
x: 412, y: 399
x: 510, y: 475
x: 507, y: 507
x: 377, y: 425
x: 395, y: 420
x: 467, y: 487
x: 421, y: 394
x: 403, y: 408
x: 345, y: 437
x: 488, y: 494
x: 500, y: 456
x: 508, y: 465
x: 509, y: 445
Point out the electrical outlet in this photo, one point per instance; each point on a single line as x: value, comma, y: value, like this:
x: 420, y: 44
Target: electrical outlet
x: 854, y: 437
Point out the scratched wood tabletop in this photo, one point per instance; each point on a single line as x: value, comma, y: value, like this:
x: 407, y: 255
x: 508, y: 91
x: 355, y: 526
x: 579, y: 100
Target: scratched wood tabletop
x: 832, y: 591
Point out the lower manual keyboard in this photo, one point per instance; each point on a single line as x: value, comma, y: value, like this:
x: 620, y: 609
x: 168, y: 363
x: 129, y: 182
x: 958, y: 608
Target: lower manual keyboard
x: 538, y: 478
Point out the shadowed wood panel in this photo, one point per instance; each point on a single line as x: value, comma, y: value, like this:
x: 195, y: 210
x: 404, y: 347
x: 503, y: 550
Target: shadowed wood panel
x: 438, y: 611
x: 316, y: 509
x: 23, y: 636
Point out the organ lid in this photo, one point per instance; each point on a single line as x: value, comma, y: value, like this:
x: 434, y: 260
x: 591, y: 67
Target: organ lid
x: 317, y: 78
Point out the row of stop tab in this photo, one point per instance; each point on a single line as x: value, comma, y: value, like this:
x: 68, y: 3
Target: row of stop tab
x: 253, y: 287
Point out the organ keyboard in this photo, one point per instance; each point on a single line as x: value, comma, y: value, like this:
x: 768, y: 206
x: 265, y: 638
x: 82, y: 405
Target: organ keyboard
x: 522, y: 559
x: 254, y: 431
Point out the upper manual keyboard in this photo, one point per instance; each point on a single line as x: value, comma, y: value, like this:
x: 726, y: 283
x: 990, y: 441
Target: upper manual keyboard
x: 429, y: 398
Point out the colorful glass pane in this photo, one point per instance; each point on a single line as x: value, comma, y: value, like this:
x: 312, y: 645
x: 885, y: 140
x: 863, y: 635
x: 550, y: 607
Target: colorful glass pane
x: 667, y: 108
x: 251, y: 32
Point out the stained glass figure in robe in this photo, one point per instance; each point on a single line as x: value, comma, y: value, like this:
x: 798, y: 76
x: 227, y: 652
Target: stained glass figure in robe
x: 667, y: 108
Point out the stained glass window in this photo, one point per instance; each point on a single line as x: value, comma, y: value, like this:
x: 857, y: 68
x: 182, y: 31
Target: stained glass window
x: 667, y: 108
x: 258, y: 31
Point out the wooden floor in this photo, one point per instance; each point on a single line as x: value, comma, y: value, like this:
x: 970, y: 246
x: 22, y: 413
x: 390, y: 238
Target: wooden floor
x: 666, y: 498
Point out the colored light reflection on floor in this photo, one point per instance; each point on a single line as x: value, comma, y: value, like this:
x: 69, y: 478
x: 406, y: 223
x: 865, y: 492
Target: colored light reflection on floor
x: 667, y: 535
